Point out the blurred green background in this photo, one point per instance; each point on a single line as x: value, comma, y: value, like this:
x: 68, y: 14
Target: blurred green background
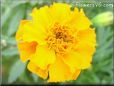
x: 15, y: 72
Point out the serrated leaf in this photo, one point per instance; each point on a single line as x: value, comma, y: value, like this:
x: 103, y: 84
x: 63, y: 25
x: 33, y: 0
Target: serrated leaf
x: 16, y: 70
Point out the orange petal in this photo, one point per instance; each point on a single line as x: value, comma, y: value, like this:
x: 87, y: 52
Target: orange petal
x: 76, y: 74
x: 26, y: 49
x: 35, y: 69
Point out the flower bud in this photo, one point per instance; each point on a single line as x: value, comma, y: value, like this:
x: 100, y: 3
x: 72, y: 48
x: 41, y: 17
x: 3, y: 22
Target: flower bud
x: 103, y: 19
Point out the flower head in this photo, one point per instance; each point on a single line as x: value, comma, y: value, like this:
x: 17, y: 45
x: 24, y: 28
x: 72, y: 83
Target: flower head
x: 58, y: 42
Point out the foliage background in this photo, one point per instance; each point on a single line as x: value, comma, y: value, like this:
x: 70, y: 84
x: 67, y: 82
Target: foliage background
x: 15, y: 72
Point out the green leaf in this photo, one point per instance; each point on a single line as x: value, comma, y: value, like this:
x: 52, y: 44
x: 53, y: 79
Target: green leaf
x: 9, y: 8
x: 35, y: 77
x: 10, y: 52
x: 9, y: 40
x: 16, y: 70
x: 14, y: 23
x: 19, y: 2
x: 5, y: 16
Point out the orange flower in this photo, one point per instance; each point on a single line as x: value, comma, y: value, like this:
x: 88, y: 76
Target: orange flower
x: 58, y: 42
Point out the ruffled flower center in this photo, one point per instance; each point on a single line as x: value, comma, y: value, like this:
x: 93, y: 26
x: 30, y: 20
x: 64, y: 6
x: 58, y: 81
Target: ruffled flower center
x: 60, y: 38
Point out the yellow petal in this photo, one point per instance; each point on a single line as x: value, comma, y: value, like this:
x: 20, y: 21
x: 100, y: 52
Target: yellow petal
x: 19, y: 33
x: 82, y: 21
x: 60, y: 12
x: 28, y: 32
x: 35, y: 69
x: 60, y: 72
x: 87, y: 37
x: 43, y: 57
x: 78, y: 20
x: 73, y: 60
x: 80, y: 58
x: 42, y: 17
x: 26, y: 49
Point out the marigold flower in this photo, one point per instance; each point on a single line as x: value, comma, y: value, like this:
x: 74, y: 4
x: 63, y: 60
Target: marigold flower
x: 58, y: 42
